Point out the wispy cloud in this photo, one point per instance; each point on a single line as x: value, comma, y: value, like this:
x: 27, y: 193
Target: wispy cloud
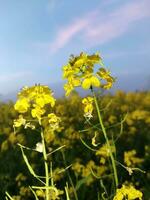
x: 66, y: 33
x: 117, y: 22
x: 100, y: 27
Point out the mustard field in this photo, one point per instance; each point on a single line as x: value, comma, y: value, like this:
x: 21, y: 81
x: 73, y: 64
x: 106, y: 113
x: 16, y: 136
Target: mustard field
x: 75, y: 148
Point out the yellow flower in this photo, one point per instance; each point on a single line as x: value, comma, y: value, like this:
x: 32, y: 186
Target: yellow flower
x: 80, y: 72
x: 67, y: 71
x: 37, y: 112
x: 128, y: 192
x: 104, y: 152
x: 82, y: 59
x: 130, y: 158
x: 68, y: 88
x: 34, y: 99
x: 87, y: 100
x: 19, y: 122
x: 42, y: 100
x: 110, y: 80
x: 74, y: 81
x: 88, y: 106
x: 22, y: 105
x: 38, y: 94
x: 53, y: 120
x: 103, y: 73
x: 91, y: 81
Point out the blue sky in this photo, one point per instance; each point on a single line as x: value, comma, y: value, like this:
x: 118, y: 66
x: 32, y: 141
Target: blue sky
x: 37, y: 37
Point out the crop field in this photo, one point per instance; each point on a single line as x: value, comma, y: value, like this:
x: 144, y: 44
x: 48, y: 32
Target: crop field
x: 75, y: 148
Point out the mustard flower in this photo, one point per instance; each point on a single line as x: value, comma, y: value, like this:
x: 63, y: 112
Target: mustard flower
x: 130, y: 158
x: 37, y: 95
x: 34, y: 99
x: 90, y: 81
x: 22, y: 122
x: 128, y: 192
x: 53, y: 120
x: 104, y: 152
x: 22, y: 105
x: 80, y: 72
x: 88, y: 106
x: 19, y: 122
x: 37, y: 112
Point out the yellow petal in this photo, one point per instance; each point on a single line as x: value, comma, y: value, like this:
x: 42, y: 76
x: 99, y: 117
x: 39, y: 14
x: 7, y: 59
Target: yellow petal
x: 95, y: 81
x: 86, y: 84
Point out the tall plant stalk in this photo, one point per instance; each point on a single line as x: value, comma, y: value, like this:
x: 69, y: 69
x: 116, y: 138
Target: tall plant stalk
x: 46, y: 166
x: 106, y: 139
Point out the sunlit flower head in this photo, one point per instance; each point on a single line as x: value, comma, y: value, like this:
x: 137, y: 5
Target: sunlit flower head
x: 81, y: 71
x: 35, y: 97
x: 128, y: 192
x: 34, y: 101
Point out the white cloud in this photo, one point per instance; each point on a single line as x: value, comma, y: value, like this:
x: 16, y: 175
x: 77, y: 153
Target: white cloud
x: 66, y: 33
x: 99, y: 27
x: 117, y: 22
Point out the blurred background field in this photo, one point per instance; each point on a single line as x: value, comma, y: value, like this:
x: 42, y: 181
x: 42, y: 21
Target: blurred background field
x: 38, y: 37
x: 133, y: 146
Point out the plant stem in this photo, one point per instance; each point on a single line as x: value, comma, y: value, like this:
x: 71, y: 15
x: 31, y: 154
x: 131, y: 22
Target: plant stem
x: 46, y: 165
x: 70, y: 179
x: 106, y: 139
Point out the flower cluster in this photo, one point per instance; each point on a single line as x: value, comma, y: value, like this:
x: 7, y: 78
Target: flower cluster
x: 130, y: 158
x: 34, y: 101
x: 104, y: 152
x: 86, y: 170
x: 80, y: 72
x: 128, y: 192
x: 88, y: 106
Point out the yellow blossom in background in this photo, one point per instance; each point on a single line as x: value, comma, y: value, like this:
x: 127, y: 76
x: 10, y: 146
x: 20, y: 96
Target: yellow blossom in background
x: 53, y: 120
x: 128, y: 193
x: 130, y: 158
x: 80, y: 71
x: 77, y: 167
x: 104, y: 152
x: 40, y: 193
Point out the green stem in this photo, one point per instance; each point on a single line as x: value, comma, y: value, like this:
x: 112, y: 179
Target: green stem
x: 106, y: 139
x: 46, y: 166
x: 51, y: 172
x: 70, y: 179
